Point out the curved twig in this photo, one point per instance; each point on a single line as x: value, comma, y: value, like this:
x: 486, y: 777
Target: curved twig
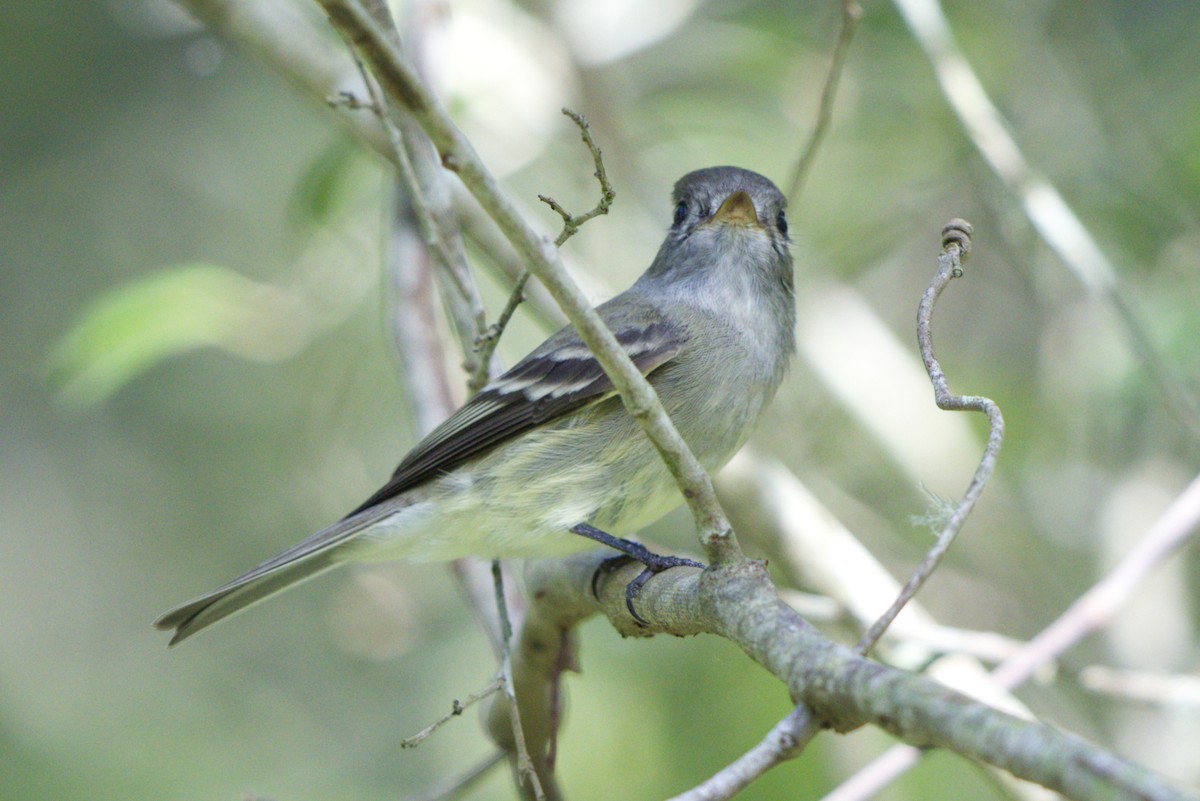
x: 956, y: 247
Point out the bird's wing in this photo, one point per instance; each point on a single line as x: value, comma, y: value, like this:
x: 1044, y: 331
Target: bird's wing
x: 556, y: 379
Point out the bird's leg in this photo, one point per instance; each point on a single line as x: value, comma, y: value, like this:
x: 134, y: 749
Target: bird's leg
x: 630, y: 551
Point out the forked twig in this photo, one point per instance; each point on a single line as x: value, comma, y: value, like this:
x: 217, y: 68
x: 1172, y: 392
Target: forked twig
x: 573, y: 222
x: 487, y: 342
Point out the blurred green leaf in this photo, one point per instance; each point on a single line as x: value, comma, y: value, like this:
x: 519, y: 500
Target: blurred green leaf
x: 129, y: 330
x: 327, y: 186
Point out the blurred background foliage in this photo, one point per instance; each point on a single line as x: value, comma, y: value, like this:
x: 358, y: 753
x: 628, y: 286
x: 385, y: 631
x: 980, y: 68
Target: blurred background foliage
x: 197, y: 373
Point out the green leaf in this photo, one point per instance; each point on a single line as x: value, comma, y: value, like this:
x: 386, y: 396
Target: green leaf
x: 327, y: 186
x: 129, y: 330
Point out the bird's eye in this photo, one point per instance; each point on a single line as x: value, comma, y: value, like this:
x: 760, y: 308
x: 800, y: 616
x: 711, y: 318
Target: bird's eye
x: 680, y: 213
x: 781, y: 224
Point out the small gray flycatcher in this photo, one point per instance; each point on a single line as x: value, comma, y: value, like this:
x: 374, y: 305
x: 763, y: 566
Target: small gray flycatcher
x: 547, y: 452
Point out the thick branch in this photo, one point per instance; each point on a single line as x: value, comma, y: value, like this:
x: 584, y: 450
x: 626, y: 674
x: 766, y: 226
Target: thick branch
x: 843, y: 689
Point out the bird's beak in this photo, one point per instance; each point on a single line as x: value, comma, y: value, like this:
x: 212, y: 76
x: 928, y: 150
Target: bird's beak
x: 737, y: 210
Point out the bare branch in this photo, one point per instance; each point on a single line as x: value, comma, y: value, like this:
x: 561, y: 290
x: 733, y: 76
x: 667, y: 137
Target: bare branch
x: 527, y: 773
x: 786, y: 740
x: 956, y: 247
x: 573, y: 222
x: 1091, y: 611
x: 851, y: 14
x: 488, y: 341
x: 843, y: 689
x: 421, y: 188
x: 456, y: 709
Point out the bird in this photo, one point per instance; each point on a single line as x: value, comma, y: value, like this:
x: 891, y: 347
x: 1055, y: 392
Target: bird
x: 545, y: 459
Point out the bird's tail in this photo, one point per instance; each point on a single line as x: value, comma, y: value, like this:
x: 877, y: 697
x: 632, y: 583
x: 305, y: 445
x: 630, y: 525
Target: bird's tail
x: 302, y: 561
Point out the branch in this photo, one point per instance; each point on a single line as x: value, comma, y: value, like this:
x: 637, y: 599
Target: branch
x: 456, y: 709
x: 843, y: 689
x: 571, y: 224
x: 303, y: 57
x: 527, y: 773
x: 1091, y: 611
x: 783, y: 742
x: 427, y: 201
x: 956, y: 246
x: 811, y: 548
x: 851, y: 14
x: 402, y: 85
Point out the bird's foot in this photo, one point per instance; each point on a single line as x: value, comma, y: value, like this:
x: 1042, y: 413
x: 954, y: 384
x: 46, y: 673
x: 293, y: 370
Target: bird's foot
x: 630, y: 552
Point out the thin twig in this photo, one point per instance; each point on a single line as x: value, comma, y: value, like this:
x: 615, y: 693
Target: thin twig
x: 851, y: 14
x: 502, y: 259
x: 956, y: 247
x: 466, y: 311
x: 573, y: 222
x: 456, y: 709
x: 526, y: 771
x: 489, y: 340
x: 785, y: 741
